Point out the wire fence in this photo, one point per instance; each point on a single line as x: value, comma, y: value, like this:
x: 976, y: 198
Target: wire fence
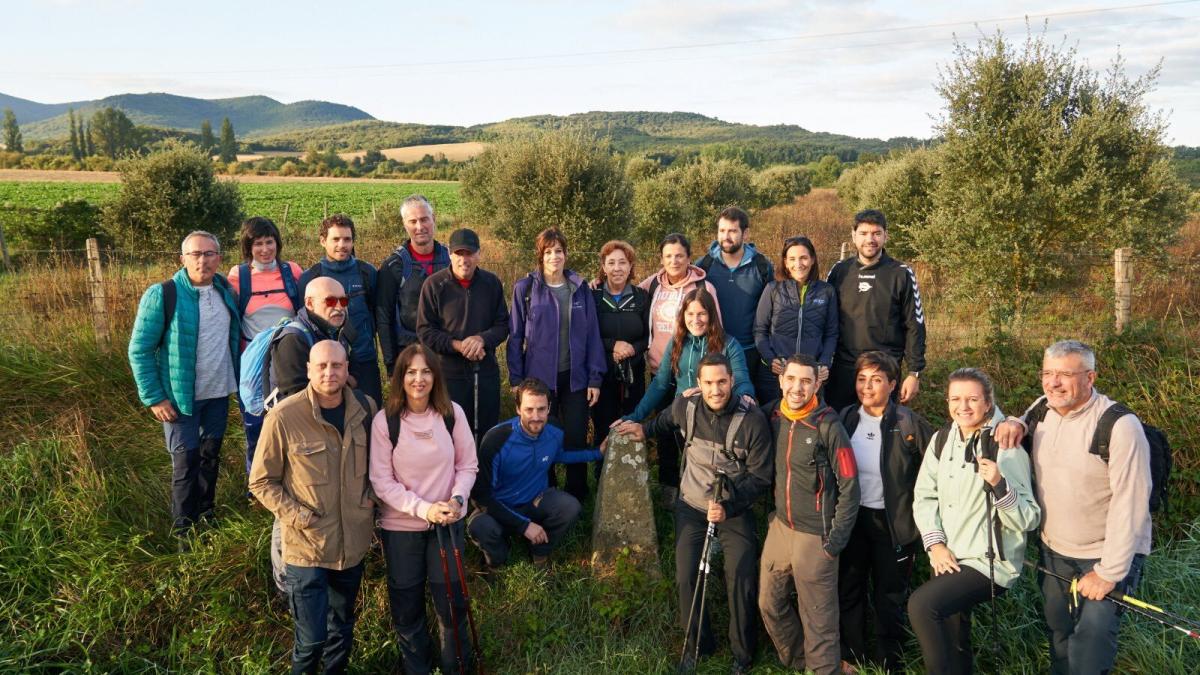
x: 52, y: 295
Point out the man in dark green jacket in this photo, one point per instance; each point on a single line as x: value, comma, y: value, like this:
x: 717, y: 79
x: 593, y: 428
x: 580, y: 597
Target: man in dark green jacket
x: 816, y: 501
x: 184, y: 355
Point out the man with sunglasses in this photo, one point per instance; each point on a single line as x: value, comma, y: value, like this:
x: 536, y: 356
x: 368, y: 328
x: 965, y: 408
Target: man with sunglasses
x: 183, y: 351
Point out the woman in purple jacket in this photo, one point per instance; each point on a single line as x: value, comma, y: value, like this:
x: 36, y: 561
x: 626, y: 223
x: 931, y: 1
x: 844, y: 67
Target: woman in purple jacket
x: 554, y: 336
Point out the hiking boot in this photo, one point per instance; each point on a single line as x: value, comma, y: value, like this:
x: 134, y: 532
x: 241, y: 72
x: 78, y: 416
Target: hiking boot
x: 740, y: 668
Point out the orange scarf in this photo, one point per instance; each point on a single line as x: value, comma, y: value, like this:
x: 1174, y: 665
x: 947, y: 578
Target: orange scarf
x: 796, y: 416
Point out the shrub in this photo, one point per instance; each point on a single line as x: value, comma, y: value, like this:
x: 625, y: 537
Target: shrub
x: 166, y: 195
x: 562, y: 179
x: 901, y: 188
x: 781, y: 184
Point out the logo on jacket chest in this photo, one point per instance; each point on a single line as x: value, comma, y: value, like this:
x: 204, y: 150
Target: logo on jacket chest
x: 863, y: 286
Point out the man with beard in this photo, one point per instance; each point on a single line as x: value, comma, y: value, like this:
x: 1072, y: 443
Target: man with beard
x: 359, y: 280
x: 880, y: 309
x: 401, y: 276
x: 739, y: 273
x: 727, y: 467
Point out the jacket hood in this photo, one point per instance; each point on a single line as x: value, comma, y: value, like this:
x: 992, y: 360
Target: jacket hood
x: 748, y: 253
x: 694, y: 276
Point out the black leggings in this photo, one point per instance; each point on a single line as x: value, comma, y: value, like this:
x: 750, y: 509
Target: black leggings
x: 571, y: 410
x: 940, y: 613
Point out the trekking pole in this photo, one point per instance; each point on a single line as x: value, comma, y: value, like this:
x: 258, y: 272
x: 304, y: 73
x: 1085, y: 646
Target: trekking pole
x: 700, y: 592
x: 1184, y: 625
x: 475, y: 403
x: 458, y: 650
x: 993, y: 521
x: 462, y: 580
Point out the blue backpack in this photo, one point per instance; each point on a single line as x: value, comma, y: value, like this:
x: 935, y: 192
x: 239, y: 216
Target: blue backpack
x: 255, y: 385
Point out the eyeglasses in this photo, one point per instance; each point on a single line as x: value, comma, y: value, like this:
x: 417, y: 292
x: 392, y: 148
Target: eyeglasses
x: 1062, y: 374
x: 335, y: 301
x: 207, y: 255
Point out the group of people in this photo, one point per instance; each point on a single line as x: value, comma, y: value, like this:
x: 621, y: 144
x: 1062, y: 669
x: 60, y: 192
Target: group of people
x: 764, y: 379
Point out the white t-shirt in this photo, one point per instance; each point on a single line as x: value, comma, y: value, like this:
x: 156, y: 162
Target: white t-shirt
x: 868, y: 443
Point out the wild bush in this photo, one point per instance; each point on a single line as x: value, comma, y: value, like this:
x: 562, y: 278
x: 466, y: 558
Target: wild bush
x: 166, y: 195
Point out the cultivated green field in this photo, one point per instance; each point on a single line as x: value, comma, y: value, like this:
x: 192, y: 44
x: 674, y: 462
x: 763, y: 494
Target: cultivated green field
x: 305, y: 202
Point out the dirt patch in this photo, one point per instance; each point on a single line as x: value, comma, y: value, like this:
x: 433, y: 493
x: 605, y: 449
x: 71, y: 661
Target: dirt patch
x: 35, y: 175
x: 455, y: 152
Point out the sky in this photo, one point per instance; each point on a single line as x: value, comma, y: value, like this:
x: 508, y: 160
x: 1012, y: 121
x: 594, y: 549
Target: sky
x: 858, y: 67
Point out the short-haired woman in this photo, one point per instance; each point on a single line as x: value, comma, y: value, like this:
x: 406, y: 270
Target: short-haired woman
x: 974, y: 504
x: 797, y: 314
x: 421, y: 480
x: 623, y: 311
x: 554, y: 336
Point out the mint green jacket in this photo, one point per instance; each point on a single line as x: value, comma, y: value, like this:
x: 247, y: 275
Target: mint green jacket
x: 164, y: 367
x: 949, y: 505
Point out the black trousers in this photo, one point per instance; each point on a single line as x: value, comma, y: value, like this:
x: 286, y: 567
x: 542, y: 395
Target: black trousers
x: 570, y: 408
x: 871, y: 561
x: 940, y: 611
x: 413, y: 559
x: 616, y: 399
x: 669, y: 447
x: 739, y: 542
x: 555, y: 510
x: 462, y: 392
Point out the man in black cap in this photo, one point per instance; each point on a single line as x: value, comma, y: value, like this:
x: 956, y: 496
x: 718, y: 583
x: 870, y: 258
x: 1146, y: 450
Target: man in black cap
x: 463, y: 315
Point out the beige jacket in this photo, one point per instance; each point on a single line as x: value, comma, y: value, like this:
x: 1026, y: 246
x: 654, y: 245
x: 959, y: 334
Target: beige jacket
x: 1091, y: 510
x: 315, y: 482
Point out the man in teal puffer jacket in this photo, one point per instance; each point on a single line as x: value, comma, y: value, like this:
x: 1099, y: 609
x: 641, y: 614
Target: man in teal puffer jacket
x: 183, y: 351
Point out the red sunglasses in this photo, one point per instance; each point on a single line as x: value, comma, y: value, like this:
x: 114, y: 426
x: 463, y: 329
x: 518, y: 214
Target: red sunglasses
x: 331, y: 301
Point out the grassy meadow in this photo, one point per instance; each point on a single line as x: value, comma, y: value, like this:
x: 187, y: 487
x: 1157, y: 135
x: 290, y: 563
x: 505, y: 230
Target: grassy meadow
x: 90, y: 580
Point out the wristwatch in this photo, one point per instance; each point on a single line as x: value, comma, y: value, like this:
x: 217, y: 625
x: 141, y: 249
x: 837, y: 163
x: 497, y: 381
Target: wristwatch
x: 916, y: 374
x: 459, y: 499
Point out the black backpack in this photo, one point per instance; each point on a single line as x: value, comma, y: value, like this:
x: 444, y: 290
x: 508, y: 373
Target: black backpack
x: 393, y: 422
x: 1161, y: 460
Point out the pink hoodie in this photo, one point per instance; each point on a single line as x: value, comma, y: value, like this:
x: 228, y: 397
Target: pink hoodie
x: 665, y: 306
x: 424, y: 467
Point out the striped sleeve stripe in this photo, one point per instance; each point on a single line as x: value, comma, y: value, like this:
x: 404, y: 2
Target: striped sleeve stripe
x: 1008, y: 501
x: 931, y: 538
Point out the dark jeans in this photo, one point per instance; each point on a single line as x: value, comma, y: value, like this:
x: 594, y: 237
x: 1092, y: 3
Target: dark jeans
x: 252, y: 425
x: 1085, y: 642
x: 413, y: 559
x: 570, y: 408
x: 940, y: 611
x: 740, y: 546
x: 871, y: 558
x: 462, y: 392
x: 194, y: 442
x: 322, y: 604
x: 367, y: 379
x: 753, y: 365
x: 555, y: 510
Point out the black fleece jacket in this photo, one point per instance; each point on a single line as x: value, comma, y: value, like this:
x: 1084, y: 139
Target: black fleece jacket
x: 448, y: 312
x: 627, y: 320
x: 905, y: 437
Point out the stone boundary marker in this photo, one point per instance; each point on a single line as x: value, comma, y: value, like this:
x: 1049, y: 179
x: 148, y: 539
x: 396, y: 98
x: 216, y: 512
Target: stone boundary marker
x: 624, y: 515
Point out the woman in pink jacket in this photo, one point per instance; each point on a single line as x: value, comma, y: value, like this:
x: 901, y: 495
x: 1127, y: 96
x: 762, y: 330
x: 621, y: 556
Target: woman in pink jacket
x: 423, y: 465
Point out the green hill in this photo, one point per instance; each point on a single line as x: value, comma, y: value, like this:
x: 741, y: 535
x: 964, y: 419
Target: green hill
x: 364, y: 135
x: 251, y: 115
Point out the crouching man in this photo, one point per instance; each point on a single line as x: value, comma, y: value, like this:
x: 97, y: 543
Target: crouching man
x: 512, y: 494
x: 310, y: 470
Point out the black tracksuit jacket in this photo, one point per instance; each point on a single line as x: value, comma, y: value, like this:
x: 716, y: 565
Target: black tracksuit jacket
x: 879, y: 308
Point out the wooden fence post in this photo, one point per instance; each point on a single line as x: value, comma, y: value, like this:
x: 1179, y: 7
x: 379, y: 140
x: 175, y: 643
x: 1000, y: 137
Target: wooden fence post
x: 96, y: 286
x: 846, y: 248
x: 4, y: 251
x: 283, y: 227
x: 1123, y: 278
x: 326, y: 202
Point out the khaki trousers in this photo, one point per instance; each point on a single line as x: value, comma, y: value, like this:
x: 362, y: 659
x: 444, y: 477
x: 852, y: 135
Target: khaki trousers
x: 805, y: 634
